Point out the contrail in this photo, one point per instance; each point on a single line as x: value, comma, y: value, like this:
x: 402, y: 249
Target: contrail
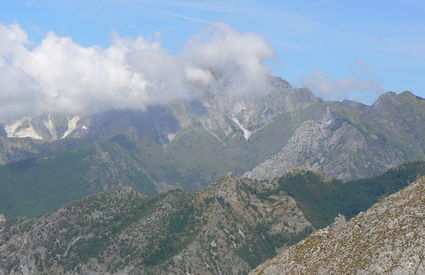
x: 173, y: 14
x: 190, y: 18
x: 163, y: 29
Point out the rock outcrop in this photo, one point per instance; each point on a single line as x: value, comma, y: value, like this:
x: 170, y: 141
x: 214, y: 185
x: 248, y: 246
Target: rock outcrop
x: 333, y: 145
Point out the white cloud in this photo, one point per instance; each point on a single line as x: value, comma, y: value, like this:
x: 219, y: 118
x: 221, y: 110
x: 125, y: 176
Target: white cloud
x: 238, y: 56
x: 364, y: 67
x: 197, y: 75
x: 18, y: 92
x: 59, y: 75
x: 330, y: 88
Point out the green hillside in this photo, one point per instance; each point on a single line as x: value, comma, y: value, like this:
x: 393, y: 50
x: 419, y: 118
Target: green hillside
x: 322, y: 199
x: 34, y: 187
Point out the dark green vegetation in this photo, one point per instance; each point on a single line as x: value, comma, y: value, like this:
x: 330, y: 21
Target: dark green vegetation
x: 264, y: 245
x: 32, y: 187
x: 322, y: 199
x: 36, y: 186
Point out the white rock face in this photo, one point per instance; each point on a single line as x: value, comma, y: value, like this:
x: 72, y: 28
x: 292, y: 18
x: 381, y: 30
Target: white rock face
x: 246, y: 133
x: 171, y: 136
x: 389, y: 238
x: 48, y: 127
x: 72, y: 125
x: 51, y: 127
x: 21, y: 129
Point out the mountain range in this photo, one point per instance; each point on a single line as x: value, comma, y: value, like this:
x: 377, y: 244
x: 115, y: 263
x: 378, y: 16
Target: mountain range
x: 52, y: 159
x: 216, y: 185
x: 228, y: 228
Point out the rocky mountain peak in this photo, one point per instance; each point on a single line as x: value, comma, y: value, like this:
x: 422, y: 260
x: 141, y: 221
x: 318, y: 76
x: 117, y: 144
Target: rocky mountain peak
x: 388, y: 98
x: 279, y: 82
x: 409, y: 95
x: 391, y: 99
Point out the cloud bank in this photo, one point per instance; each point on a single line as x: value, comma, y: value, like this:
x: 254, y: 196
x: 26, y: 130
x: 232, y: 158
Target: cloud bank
x: 336, y: 89
x: 59, y: 75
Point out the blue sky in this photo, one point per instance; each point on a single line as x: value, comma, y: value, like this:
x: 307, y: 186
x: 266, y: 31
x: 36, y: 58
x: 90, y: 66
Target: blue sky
x: 380, y: 42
